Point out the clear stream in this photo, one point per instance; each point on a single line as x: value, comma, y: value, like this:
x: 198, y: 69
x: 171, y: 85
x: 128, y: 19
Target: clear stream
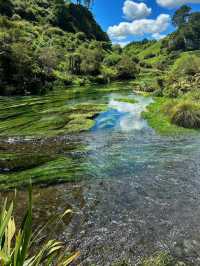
x: 140, y: 192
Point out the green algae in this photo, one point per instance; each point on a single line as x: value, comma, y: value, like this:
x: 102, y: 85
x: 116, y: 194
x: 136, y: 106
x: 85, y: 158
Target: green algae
x: 49, y: 116
x: 58, y: 170
x: 127, y: 100
x: 79, y: 125
x: 19, y: 162
x: 60, y: 112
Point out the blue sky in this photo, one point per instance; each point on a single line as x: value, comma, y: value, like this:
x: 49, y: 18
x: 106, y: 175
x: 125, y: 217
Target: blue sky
x: 138, y: 18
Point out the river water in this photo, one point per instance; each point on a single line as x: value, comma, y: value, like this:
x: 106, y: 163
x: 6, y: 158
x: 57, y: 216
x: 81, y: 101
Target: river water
x: 139, y: 192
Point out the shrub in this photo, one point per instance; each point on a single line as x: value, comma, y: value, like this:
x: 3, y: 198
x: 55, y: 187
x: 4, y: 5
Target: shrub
x: 161, y: 65
x: 158, y: 93
x: 100, y: 79
x: 117, y: 48
x: 73, y: 63
x: 160, y: 82
x: 81, y: 36
x: 146, y: 87
x: 112, y: 59
x: 90, y: 60
x: 63, y: 77
x: 193, y: 95
x: 108, y: 73
x: 171, y: 92
x: 186, y: 114
x: 126, y: 68
x: 145, y: 64
x: 135, y: 59
x: 148, y: 56
x: 187, y: 64
x: 47, y: 59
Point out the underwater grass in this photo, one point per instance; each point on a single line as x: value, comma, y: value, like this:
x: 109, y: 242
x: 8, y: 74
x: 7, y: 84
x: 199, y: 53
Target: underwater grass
x: 127, y: 100
x: 49, y: 120
x: 58, y: 170
x: 52, y: 114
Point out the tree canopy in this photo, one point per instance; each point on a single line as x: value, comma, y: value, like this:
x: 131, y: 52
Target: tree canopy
x: 187, y: 35
x: 181, y: 16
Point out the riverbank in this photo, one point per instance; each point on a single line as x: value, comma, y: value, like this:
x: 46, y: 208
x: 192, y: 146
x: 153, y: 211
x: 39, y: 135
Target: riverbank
x: 160, y: 121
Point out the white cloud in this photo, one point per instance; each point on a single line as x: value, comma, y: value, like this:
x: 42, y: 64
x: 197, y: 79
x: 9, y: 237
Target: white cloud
x: 175, y: 3
x: 140, y: 27
x: 158, y: 36
x: 133, y: 10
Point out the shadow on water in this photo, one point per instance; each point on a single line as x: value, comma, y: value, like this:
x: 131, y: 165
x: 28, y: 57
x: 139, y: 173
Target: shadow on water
x: 140, y: 192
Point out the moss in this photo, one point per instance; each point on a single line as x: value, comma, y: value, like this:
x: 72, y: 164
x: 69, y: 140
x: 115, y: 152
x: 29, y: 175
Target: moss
x: 82, y: 117
x: 159, y: 121
x: 127, y: 100
x: 78, y: 125
x: 54, y: 121
x: 89, y: 107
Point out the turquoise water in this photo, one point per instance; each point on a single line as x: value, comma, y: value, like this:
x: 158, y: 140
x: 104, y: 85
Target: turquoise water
x: 140, y: 194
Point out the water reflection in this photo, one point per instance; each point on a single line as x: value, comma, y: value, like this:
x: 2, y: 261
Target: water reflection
x: 122, y: 115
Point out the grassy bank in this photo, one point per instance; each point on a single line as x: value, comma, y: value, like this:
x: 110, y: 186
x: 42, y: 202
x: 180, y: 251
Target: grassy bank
x: 160, y: 121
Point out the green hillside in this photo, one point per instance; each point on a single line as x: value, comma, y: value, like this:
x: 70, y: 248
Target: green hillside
x: 39, y: 42
x: 57, y: 13
x: 170, y: 71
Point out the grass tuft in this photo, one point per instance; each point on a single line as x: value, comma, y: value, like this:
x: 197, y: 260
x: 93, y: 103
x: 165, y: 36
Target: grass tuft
x: 186, y: 114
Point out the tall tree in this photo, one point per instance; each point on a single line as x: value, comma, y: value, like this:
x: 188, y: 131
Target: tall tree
x: 181, y: 16
x: 86, y: 3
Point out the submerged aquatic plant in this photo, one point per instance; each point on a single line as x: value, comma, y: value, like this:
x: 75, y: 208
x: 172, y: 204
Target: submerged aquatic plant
x: 16, y: 247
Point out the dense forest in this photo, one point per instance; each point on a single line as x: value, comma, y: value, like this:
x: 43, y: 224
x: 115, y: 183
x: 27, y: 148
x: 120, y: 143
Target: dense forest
x: 48, y: 43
